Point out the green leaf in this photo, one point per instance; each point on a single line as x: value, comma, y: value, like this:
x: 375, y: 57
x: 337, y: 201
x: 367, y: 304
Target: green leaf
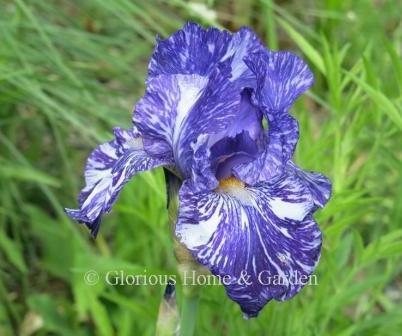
x: 26, y: 174
x: 382, y: 101
x: 13, y: 253
x: 312, y: 54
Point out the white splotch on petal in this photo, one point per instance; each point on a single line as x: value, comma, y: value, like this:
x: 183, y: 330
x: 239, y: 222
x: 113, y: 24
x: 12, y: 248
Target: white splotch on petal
x: 282, y: 209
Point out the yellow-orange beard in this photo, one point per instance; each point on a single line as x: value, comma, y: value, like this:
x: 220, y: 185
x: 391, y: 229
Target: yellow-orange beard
x: 229, y: 183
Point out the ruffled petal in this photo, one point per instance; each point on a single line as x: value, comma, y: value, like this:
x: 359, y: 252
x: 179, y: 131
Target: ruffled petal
x: 202, y: 177
x: 233, y: 151
x: 261, y: 241
x: 319, y: 185
x: 281, y: 78
x: 195, y: 50
x: 176, y: 109
x: 280, y: 143
x: 216, y: 110
x: 161, y: 114
x: 109, y: 167
x: 247, y: 118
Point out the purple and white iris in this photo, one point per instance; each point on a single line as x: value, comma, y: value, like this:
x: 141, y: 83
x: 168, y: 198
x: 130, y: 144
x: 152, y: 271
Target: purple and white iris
x: 244, y: 206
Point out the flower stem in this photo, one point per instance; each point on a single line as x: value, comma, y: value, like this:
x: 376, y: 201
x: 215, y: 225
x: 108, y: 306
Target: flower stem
x: 168, y: 316
x: 185, y: 261
x: 189, y: 314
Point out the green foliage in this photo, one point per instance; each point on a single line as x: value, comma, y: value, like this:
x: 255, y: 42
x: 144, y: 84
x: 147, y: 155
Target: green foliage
x: 70, y: 70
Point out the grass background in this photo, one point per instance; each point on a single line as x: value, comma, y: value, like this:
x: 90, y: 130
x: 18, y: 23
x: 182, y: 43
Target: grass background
x: 70, y: 70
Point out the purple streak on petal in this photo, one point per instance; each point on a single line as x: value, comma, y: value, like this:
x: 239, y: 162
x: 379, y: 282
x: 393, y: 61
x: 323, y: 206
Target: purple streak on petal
x: 217, y: 112
x: 208, y: 105
x: 202, y: 177
x: 161, y: 113
x: 156, y: 147
x: 248, y: 118
x: 239, y: 141
x: 280, y: 142
x: 176, y: 109
x: 267, y: 229
x: 319, y: 185
x: 195, y: 50
x: 233, y: 151
x: 109, y: 167
x: 235, y: 129
x: 281, y: 76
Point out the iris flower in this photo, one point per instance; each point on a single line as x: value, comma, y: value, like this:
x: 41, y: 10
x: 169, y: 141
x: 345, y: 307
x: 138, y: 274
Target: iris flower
x: 216, y: 113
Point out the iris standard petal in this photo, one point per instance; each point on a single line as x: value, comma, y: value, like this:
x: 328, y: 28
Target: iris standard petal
x: 279, y: 144
x: 281, y: 78
x: 217, y: 109
x: 176, y: 109
x: 195, y: 50
x: 233, y: 151
x: 260, y: 240
x: 161, y: 114
x: 202, y: 177
x: 109, y: 167
x: 247, y: 118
